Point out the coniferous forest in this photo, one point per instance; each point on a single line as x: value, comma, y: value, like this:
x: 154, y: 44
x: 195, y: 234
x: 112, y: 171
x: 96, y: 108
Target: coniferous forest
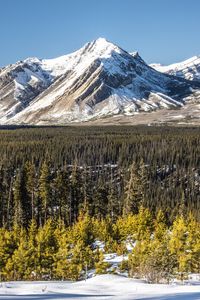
x: 62, y: 189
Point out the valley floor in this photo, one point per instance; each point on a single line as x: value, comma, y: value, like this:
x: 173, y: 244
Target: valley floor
x: 100, y: 287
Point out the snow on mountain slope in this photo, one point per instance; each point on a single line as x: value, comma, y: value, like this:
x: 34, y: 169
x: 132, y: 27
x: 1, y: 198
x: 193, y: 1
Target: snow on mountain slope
x: 188, y: 69
x: 29, y: 78
x: 19, y: 84
x: 80, y: 59
x: 98, y: 80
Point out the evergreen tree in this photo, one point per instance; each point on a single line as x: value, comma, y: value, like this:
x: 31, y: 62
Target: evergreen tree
x: 133, y: 192
x: 62, y: 263
x: 32, y: 253
x: 113, y: 202
x: 82, y: 230
x: 144, y: 224
x: 76, y: 200
x: 160, y: 262
x: 100, y: 199
x: 17, y: 195
x: 193, y: 244
x: 143, y: 184
x: 16, y: 267
x: 31, y: 186
x: 44, y: 191
x: 7, y: 247
x: 62, y: 197
x: 137, y: 259
x: 178, y: 246
x: 101, y: 267
x: 46, y: 249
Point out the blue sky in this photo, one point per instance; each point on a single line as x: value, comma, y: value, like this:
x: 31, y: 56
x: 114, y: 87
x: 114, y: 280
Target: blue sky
x: 164, y: 31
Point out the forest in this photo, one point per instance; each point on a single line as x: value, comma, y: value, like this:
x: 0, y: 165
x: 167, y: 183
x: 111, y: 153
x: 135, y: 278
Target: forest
x: 63, y: 188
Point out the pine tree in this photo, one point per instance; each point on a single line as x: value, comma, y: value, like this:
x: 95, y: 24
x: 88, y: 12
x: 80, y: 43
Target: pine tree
x: 151, y: 257
x: 193, y: 244
x: 31, y: 186
x: 32, y: 250
x: 100, y: 197
x: 16, y: 266
x: 2, y: 200
x: 160, y: 226
x: 137, y: 259
x: 77, y: 198
x: 7, y: 247
x: 62, y: 197
x: 143, y: 175
x: 101, y: 267
x: 144, y: 224
x: 61, y: 264
x: 160, y: 262
x: 46, y: 249
x: 178, y: 246
x: 133, y: 191
x: 87, y: 190
x: 44, y: 191
x: 113, y: 201
x: 81, y: 259
x: 17, y: 195
x: 142, y: 236
x: 82, y: 230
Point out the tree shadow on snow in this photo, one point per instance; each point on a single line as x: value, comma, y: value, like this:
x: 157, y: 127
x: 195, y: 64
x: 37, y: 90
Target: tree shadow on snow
x: 50, y: 296
x: 179, y: 296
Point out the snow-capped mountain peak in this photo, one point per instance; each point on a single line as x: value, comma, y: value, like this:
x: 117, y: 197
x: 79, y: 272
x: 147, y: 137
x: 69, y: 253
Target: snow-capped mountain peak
x: 102, y: 47
x: 99, y: 79
x: 97, y: 49
x: 188, y: 69
x: 32, y: 60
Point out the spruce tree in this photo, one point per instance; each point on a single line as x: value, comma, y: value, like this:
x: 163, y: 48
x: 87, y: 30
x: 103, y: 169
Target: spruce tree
x: 61, y: 188
x: 46, y: 249
x: 178, y: 246
x: 18, y: 207
x: 16, y: 267
x: 31, y: 186
x: 7, y: 247
x: 77, y: 198
x: 133, y: 191
x: 61, y: 264
x: 193, y: 244
x: 44, y: 191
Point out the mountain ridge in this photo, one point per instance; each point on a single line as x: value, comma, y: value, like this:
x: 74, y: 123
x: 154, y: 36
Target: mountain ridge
x: 98, y: 80
x: 188, y: 69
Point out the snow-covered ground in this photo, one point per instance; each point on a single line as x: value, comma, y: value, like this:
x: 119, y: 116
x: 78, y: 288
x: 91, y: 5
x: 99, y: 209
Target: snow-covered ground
x: 99, y: 287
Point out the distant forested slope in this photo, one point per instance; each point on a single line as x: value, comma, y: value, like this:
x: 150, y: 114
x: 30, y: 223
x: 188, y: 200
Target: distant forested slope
x: 54, y: 172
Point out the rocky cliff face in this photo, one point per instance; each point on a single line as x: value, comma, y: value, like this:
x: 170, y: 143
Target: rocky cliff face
x: 99, y: 80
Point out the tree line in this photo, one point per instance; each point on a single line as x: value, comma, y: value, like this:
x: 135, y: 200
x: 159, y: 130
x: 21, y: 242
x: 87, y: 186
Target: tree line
x: 55, y: 172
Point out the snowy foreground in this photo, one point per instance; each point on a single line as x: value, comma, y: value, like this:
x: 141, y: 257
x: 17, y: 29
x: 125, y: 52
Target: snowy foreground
x: 99, y: 287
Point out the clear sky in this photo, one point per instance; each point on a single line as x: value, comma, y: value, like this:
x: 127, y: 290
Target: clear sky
x: 164, y: 31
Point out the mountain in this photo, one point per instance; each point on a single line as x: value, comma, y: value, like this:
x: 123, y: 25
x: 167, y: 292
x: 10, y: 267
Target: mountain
x: 99, y: 80
x: 188, y: 69
x: 19, y: 84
